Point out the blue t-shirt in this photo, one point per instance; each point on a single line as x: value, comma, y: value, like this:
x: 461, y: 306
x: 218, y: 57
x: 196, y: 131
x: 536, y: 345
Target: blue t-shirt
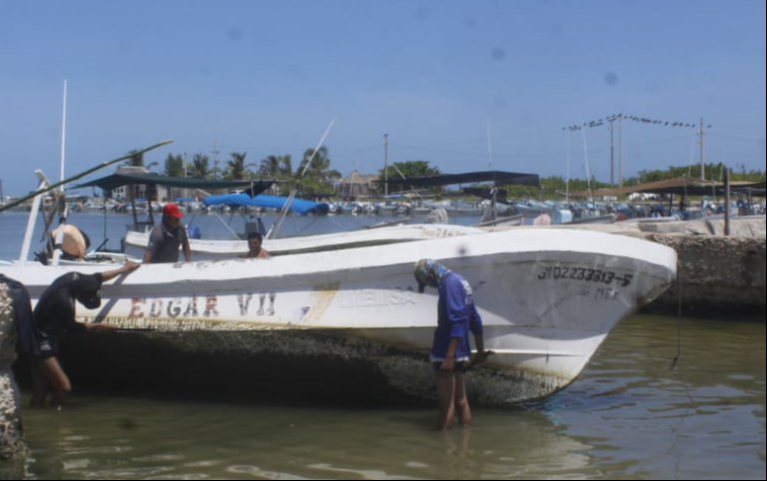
x: 458, y: 317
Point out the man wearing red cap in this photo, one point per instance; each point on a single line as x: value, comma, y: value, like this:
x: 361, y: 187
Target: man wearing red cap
x: 167, y: 238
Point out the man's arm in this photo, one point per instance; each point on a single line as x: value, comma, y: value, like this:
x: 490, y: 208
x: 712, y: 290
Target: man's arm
x: 185, y: 245
x: 127, y: 268
x: 479, y: 339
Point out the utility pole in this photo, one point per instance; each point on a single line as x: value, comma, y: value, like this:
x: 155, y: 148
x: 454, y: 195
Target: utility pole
x: 489, y: 145
x: 620, y: 150
x: 216, y: 160
x: 701, y: 132
x: 612, y: 154
x: 386, y: 165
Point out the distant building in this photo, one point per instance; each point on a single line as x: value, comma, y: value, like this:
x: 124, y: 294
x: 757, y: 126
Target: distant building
x: 357, y: 185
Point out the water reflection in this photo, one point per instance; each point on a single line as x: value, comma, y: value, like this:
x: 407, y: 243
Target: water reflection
x: 168, y: 440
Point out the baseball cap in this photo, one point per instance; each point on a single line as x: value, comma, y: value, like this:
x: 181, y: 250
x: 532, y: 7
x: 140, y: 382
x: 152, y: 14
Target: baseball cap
x: 172, y: 210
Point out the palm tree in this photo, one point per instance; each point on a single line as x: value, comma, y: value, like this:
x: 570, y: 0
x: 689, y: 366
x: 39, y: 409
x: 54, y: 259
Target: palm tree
x: 286, y: 166
x: 320, y: 163
x: 236, y: 168
x: 270, y: 167
x: 201, y: 167
x: 174, y: 166
x: 319, y: 176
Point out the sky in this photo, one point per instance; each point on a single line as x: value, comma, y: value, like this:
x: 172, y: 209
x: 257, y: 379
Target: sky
x: 465, y: 84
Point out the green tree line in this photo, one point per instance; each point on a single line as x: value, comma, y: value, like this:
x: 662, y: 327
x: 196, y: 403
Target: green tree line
x: 320, y: 177
x: 316, y: 182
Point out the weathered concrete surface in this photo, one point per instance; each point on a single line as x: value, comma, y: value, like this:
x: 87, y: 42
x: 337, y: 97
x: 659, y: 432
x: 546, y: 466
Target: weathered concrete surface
x: 717, y: 275
x: 11, y: 445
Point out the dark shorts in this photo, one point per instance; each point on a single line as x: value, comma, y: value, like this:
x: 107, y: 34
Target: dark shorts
x: 460, y: 367
x: 48, y: 349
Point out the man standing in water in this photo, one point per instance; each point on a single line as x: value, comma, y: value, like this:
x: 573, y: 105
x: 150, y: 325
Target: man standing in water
x: 451, y: 352
x: 167, y: 238
x: 54, y: 315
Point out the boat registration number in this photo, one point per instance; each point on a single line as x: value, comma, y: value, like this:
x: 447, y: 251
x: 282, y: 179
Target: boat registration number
x: 585, y: 274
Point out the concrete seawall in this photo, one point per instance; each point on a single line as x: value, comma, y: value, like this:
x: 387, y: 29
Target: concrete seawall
x: 717, y: 275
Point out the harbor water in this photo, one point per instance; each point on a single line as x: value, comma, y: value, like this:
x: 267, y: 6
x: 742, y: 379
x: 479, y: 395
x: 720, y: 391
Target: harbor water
x: 633, y: 414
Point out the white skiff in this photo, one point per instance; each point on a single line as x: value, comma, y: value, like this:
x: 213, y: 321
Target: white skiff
x: 548, y: 298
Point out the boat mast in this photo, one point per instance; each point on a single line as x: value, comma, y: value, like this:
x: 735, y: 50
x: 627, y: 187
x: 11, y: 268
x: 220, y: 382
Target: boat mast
x: 386, y: 166
x: 494, y: 190
x: 64, y: 212
x: 63, y: 136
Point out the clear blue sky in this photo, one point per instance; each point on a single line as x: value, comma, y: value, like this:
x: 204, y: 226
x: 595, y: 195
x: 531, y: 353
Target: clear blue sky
x: 266, y: 77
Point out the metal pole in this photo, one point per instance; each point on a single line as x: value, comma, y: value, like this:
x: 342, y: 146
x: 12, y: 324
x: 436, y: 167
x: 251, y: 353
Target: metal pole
x: 489, y: 146
x: 612, y: 155
x: 26, y: 246
x: 386, y: 165
x: 727, y: 225
x: 620, y: 150
x: 702, y: 150
x: 63, y: 136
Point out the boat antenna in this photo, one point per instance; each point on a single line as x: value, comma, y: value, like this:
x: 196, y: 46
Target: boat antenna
x: 60, y: 207
x: 289, y: 202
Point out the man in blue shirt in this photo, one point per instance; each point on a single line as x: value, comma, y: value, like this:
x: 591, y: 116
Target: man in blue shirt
x: 451, y: 351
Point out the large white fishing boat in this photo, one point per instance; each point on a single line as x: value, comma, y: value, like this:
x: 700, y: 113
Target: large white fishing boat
x: 548, y: 299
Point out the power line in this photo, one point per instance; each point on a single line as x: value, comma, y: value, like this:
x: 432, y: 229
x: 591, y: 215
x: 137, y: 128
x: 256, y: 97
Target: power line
x: 620, y: 118
x: 630, y: 118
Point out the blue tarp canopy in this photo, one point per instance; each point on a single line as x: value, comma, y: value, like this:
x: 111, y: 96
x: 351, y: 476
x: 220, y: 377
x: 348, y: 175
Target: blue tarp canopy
x: 298, y: 206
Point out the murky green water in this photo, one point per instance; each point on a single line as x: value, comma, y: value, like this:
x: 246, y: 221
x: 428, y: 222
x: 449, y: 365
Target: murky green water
x: 628, y: 417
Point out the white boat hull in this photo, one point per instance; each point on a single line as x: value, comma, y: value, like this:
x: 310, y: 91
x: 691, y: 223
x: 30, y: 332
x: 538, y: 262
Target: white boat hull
x: 548, y: 300
x: 205, y: 250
